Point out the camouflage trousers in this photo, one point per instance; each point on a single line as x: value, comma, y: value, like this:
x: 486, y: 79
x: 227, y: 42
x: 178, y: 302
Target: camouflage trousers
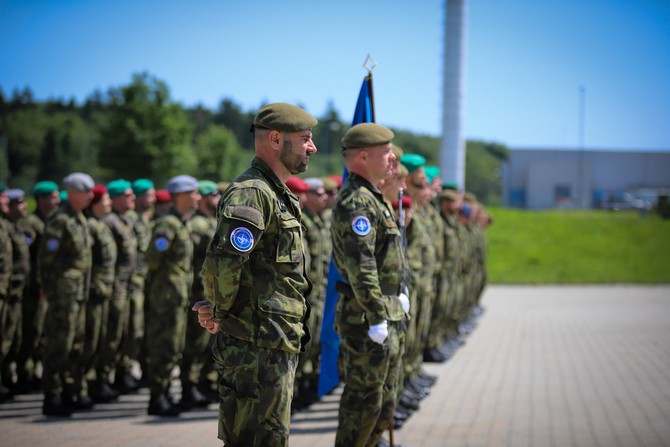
x: 372, y: 375
x: 166, y: 336
x: 64, y: 330
x: 256, y: 389
x: 30, y: 353
x: 195, y: 358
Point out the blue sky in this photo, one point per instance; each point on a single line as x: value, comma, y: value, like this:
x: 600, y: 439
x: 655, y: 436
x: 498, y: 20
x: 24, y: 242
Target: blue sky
x: 526, y: 60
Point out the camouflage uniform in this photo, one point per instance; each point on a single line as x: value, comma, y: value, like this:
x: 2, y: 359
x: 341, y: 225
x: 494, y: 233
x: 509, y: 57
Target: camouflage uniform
x: 5, y: 275
x: 170, y: 261
x: 65, y: 263
x: 134, y: 339
x: 196, y: 355
x: 255, y: 277
x: 103, y: 255
x: 117, y: 321
x: 34, y: 306
x: 368, y: 254
x: 11, y: 336
x: 451, y: 268
x: 421, y: 259
x: 316, y: 240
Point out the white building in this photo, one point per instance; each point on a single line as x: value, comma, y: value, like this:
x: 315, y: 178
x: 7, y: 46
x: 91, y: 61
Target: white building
x: 564, y: 178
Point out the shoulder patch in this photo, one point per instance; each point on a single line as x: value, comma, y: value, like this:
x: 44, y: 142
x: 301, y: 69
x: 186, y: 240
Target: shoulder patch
x: 361, y: 225
x: 53, y: 244
x: 241, y: 239
x: 246, y: 214
x: 161, y: 243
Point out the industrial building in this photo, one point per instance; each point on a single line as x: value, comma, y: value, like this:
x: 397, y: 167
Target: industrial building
x: 569, y: 178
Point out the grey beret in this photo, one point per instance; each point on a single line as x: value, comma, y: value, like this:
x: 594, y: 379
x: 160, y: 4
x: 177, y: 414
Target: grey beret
x: 15, y: 194
x: 314, y: 183
x: 284, y: 117
x: 78, y: 181
x: 182, y: 183
x: 366, y: 135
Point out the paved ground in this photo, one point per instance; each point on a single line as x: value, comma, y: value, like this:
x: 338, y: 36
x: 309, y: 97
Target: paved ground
x: 546, y: 366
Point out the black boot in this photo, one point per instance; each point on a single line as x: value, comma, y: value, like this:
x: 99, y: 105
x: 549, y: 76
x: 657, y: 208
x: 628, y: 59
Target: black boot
x: 159, y: 405
x: 125, y: 383
x: 192, y: 397
x: 54, y: 406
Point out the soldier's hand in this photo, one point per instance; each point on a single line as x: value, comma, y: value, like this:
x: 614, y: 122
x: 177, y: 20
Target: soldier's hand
x: 379, y: 332
x: 204, y: 309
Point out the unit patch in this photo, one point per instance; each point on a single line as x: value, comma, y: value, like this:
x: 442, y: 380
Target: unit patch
x: 361, y: 225
x: 241, y: 239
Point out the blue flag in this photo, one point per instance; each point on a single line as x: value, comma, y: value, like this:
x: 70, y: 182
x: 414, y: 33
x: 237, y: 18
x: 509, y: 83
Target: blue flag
x: 329, y: 376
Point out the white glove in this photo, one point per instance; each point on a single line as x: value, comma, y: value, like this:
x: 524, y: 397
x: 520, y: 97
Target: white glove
x: 379, y: 332
x: 404, y: 301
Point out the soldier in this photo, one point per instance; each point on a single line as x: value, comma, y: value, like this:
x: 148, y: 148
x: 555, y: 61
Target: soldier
x: 140, y: 219
x: 370, y: 315
x: 318, y: 243
x: 47, y: 200
x: 11, y: 334
x: 65, y: 263
x: 103, y: 259
x: 163, y: 203
x: 196, y: 359
x: 170, y: 260
x: 256, y: 280
x: 119, y: 222
x: 449, y: 298
x: 5, y: 269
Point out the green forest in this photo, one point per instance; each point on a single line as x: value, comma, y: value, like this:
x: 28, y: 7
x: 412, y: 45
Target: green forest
x: 137, y: 130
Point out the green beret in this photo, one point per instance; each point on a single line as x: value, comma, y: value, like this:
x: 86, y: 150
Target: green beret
x: 44, y: 188
x: 412, y: 162
x: 449, y: 194
x: 450, y: 185
x: 3, y: 187
x: 431, y: 172
x: 366, y: 135
x: 207, y: 187
x: 284, y: 117
x: 118, y: 187
x: 63, y: 195
x: 141, y: 186
x: 329, y: 183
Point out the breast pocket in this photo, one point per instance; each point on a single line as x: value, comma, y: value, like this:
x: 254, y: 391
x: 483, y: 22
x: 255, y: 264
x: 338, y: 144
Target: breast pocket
x: 289, y: 241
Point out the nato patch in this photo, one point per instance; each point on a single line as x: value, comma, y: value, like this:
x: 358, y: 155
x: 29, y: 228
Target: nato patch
x: 361, y: 225
x: 53, y: 244
x: 241, y: 239
x: 29, y: 240
x: 161, y: 243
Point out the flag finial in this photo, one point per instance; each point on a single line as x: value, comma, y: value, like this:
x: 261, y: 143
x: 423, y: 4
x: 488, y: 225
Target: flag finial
x: 369, y: 64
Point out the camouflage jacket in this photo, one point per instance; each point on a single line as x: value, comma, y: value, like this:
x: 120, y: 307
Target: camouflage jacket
x: 315, y: 237
x: 368, y: 254
x: 170, y: 259
x: 452, y: 246
x: 126, y: 251
x: 21, y: 241
x: 254, y: 272
x: 142, y: 230
x: 202, y: 230
x: 35, y: 224
x: 103, y: 252
x: 5, y: 257
x: 65, y: 253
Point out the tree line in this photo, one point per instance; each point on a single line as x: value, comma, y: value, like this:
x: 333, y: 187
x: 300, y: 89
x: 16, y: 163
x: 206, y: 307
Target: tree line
x: 137, y: 130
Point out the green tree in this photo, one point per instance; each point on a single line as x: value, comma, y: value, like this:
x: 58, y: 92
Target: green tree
x: 483, y: 167
x: 220, y: 156
x: 146, y: 135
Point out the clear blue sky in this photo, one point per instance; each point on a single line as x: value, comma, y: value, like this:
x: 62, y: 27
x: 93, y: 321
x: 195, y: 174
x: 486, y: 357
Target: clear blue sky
x: 526, y: 60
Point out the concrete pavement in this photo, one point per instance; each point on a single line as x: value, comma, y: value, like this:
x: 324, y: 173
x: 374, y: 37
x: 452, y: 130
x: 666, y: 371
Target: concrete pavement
x: 546, y: 366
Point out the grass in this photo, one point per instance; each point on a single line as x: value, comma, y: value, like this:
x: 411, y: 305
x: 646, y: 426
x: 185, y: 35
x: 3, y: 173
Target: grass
x: 578, y: 247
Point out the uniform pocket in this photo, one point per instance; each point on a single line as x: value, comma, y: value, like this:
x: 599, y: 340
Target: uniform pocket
x: 289, y: 242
